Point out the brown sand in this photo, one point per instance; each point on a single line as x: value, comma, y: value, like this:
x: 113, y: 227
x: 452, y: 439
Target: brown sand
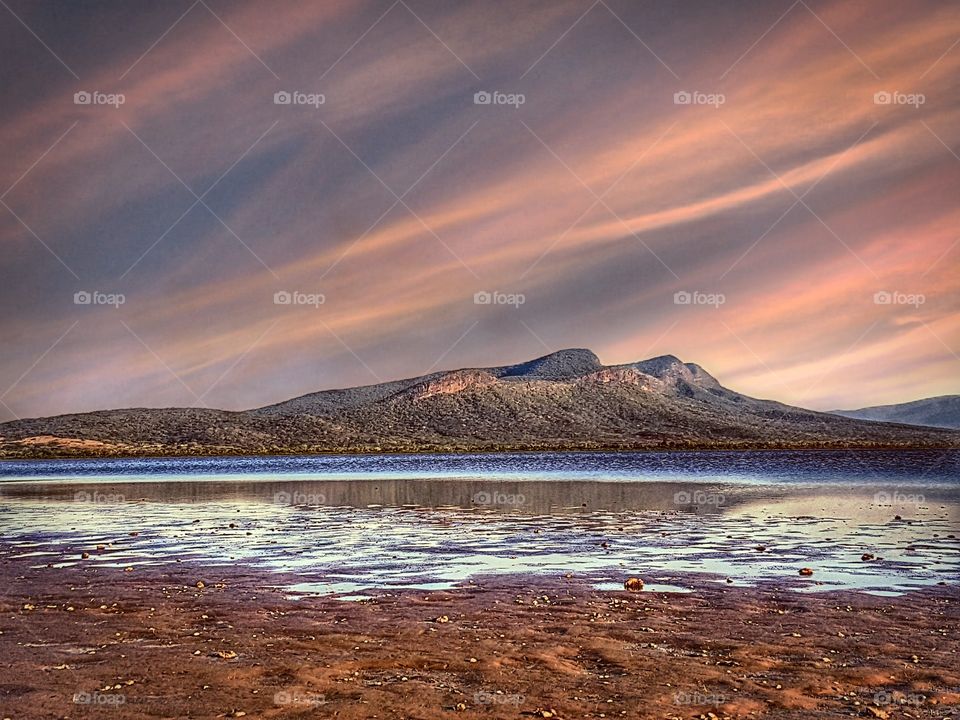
x: 501, y: 648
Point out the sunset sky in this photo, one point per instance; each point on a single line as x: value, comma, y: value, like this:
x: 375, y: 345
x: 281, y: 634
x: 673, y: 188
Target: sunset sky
x: 796, y: 195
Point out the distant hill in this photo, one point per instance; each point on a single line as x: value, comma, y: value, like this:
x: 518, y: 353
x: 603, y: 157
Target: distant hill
x: 942, y: 411
x: 562, y: 401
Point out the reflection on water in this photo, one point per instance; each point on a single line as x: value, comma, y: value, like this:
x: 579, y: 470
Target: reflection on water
x: 343, y: 536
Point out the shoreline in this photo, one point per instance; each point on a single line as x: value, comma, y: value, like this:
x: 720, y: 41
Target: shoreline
x: 63, y: 454
x: 197, y: 641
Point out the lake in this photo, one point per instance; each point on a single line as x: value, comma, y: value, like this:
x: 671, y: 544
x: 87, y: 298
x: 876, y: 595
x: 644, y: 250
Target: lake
x: 346, y: 524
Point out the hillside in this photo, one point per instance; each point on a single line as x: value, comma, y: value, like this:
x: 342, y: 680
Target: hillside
x: 565, y: 400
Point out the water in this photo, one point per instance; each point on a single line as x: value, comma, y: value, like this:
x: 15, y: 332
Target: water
x: 349, y: 524
x: 698, y: 466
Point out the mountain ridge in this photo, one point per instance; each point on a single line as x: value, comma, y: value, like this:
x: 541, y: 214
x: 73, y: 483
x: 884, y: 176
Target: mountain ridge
x: 565, y: 400
x: 939, y: 411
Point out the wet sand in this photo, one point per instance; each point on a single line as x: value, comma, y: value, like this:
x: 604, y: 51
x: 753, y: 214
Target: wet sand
x: 95, y: 641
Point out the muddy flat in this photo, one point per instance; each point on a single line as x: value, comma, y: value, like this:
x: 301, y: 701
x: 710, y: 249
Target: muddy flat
x: 195, y: 642
x: 774, y: 585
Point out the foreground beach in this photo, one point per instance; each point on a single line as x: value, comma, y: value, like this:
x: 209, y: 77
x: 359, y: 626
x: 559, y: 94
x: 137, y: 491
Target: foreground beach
x: 198, y: 642
x: 481, y: 586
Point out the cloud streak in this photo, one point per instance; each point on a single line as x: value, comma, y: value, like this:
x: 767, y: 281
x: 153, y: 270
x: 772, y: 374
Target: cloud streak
x: 797, y: 198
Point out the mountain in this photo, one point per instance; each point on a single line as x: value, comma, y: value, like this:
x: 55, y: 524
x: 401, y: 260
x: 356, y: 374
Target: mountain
x: 942, y: 411
x: 564, y: 400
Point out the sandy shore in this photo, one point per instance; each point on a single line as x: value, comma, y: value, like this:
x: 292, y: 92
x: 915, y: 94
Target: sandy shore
x: 100, y: 642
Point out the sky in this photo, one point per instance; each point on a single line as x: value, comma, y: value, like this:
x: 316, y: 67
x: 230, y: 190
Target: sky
x: 767, y: 189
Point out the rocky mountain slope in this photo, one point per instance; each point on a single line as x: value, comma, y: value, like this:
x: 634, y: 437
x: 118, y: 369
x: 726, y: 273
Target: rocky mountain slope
x: 565, y: 400
x: 942, y: 411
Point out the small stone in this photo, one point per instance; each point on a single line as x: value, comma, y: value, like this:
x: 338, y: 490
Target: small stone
x: 633, y: 584
x: 867, y: 556
x: 200, y: 584
x: 806, y: 572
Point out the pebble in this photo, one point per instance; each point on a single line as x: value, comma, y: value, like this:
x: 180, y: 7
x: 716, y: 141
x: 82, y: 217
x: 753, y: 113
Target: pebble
x: 633, y: 584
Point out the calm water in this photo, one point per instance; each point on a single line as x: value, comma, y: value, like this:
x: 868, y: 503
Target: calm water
x: 347, y: 524
x: 749, y: 467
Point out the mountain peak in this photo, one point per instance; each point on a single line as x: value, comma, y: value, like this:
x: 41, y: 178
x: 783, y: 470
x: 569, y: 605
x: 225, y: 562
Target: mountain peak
x: 560, y: 365
x: 661, y: 366
x: 673, y: 370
